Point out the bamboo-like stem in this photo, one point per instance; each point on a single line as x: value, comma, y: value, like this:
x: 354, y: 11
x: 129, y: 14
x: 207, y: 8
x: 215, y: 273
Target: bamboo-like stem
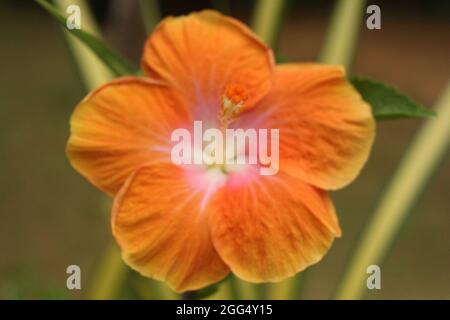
x: 162, y: 291
x: 223, y: 293
x: 338, y: 48
x: 92, y: 70
x: 343, y: 32
x: 109, y: 275
x: 280, y: 290
x: 266, y: 23
x: 150, y: 13
x: 240, y: 289
x: 154, y: 290
x: 234, y: 287
x: 291, y: 288
x: 110, y: 271
x: 407, y: 184
x: 267, y: 19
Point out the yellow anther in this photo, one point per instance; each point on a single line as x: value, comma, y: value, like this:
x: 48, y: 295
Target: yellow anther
x: 233, y: 102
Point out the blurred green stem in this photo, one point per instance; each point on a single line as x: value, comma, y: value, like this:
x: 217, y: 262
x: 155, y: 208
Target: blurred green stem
x: 266, y: 23
x: 149, y: 289
x: 342, y: 34
x: 406, y: 186
x: 109, y: 275
x: 267, y: 19
x: 236, y: 294
x: 338, y: 48
x: 240, y: 289
x: 291, y: 288
x: 150, y: 14
x: 92, y: 70
x: 110, y: 271
x: 280, y: 290
x: 224, y: 292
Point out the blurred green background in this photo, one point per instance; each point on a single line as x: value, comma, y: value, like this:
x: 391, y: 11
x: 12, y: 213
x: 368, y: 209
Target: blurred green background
x: 50, y: 217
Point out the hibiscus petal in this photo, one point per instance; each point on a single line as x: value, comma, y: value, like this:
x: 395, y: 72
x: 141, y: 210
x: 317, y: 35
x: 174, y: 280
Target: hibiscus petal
x: 269, y: 228
x: 121, y: 126
x: 202, y: 53
x: 162, y: 230
x: 326, y: 129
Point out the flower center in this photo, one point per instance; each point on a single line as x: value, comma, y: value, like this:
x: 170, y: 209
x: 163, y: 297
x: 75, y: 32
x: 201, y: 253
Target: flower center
x: 233, y: 102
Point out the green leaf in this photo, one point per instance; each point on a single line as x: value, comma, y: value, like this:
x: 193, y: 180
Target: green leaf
x: 118, y: 65
x: 386, y: 102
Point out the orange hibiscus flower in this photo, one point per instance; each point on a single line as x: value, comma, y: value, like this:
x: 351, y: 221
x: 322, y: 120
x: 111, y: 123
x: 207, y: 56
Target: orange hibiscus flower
x: 191, y: 225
